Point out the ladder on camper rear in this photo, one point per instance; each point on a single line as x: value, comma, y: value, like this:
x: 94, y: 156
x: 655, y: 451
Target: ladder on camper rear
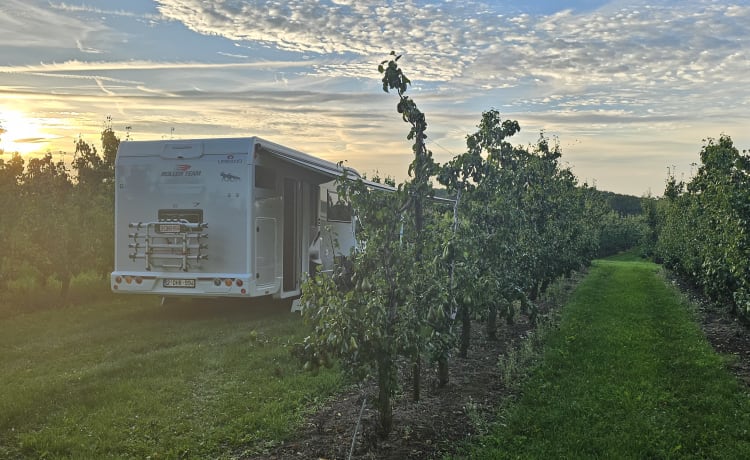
x: 168, y: 244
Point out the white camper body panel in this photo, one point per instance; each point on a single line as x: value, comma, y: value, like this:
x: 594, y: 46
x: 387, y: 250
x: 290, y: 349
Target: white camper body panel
x: 224, y: 217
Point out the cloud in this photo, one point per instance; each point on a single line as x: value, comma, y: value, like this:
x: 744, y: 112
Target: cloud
x: 32, y: 140
x: 648, y: 50
x: 66, y: 7
x: 630, y: 45
x: 85, y: 49
x: 134, y: 65
x: 27, y: 26
x: 364, y: 28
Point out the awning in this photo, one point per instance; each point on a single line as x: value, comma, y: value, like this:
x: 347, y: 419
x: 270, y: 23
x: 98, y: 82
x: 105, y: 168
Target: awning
x: 327, y: 168
x: 319, y: 165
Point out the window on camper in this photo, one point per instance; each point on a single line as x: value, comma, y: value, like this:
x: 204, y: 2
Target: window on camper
x: 194, y: 216
x: 171, y: 220
x: 337, y: 210
x: 265, y: 177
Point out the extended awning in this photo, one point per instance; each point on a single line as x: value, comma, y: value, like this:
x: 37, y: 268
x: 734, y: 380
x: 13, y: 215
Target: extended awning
x: 319, y: 165
x: 327, y: 168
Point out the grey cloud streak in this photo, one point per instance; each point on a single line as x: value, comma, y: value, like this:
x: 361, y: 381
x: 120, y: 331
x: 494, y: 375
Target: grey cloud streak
x: 25, y: 25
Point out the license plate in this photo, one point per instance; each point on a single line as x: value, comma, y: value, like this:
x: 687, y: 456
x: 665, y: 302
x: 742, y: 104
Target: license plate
x: 168, y: 228
x: 178, y: 283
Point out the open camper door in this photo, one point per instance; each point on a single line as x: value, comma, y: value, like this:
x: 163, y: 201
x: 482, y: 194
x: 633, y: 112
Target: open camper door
x: 292, y: 238
x: 305, y: 184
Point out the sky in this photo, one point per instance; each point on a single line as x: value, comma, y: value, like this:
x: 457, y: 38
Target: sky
x: 629, y: 89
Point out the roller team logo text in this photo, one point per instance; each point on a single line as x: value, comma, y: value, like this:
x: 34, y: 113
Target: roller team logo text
x: 182, y: 170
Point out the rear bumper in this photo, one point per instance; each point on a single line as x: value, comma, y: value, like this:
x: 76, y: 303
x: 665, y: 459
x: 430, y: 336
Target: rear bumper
x: 184, y: 284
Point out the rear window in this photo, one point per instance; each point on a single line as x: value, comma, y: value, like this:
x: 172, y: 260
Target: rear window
x: 337, y: 210
x: 194, y: 216
x: 265, y: 177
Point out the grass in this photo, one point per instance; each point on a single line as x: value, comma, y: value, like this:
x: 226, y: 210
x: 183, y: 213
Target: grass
x: 128, y: 378
x: 627, y: 375
x: 26, y: 294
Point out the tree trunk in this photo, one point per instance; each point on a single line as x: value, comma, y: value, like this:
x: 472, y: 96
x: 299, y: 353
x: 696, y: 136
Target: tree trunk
x: 492, y: 322
x: 443, y: 376
x: 449, y: 308
x: 510, y: 312
x: 417, y: 377
x: 419, y: 180
x: 385, y: 410
x: 545, y: 285
x: 417, y: 362
x: 534, y: 291
x: 465, y: 331
x: 65, y: 279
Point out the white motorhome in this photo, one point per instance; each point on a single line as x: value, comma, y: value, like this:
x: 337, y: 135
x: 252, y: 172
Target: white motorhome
x: 240, y: 217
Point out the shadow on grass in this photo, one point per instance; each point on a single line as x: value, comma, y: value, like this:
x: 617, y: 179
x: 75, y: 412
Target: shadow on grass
x: 206, y: 309
x: 631, y: 255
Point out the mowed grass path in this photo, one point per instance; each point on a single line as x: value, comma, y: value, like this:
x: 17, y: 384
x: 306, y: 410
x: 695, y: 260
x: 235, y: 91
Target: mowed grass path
x: 628, y: 375
x: 129, y: 378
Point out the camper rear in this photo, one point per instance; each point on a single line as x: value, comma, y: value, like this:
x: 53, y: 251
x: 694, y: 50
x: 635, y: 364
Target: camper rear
x: 223, y: 217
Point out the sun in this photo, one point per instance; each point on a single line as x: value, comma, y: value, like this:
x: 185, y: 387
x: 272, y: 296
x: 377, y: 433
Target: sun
x: 21, y: 133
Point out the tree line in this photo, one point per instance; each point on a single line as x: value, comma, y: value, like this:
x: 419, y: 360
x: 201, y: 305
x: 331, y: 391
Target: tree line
x: 57, y: 219
x: 428, y: 270
x: 701, y: 228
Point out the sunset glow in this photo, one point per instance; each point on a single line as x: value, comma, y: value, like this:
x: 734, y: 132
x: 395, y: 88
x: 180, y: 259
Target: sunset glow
x: 23, y: 134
